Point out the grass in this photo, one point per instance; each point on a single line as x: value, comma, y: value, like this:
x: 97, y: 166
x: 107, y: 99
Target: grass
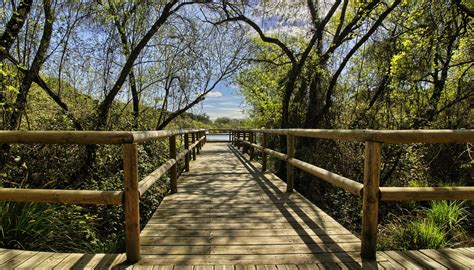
x: 48, y: 227
x: 436, y: 227
x: 449, y: 215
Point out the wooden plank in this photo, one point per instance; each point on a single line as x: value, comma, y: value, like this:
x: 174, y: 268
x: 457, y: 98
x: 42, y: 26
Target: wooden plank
x: 52, y: 261
x: 424, y: 260
x: 131, y: 205
x: 403, y: 259
x: 243, y: 266
x: 370, y: 199
x: 458, y: 256
x: 163, y: 267
x: 110, y: 261
x: 34, y: 260
x: 287, y: 267
x: 17, y: 259
x: 8, y: 255
x: 183, y: 267
x: 203, y: 267
x: 224, y: 267
x: 69, y: 261
x: 266, y: 267
x: 441, y: 258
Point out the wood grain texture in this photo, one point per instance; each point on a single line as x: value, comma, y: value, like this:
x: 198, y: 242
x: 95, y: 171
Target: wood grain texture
x: 370, y: 200
x: 131, y: 204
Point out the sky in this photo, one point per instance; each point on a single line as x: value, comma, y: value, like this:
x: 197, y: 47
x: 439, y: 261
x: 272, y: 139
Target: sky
x: 224, y: 101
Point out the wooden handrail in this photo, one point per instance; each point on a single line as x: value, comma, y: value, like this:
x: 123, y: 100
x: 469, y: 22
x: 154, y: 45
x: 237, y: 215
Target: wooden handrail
x: 383, y: 136
x: 133, y: 189
x: 370, y: 191
x: 87, y: 137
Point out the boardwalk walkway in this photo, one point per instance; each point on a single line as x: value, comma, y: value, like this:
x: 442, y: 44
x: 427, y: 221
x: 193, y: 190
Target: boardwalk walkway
x: 229, y: 215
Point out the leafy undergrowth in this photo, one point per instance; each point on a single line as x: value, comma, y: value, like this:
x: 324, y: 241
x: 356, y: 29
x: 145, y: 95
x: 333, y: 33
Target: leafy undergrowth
x: 73, y: 228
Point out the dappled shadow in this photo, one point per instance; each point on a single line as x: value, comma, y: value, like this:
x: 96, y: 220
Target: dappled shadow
x: 329, y: 245
x: 227, y: 211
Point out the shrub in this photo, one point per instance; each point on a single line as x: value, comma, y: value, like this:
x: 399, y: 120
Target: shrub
x: 47, y: 227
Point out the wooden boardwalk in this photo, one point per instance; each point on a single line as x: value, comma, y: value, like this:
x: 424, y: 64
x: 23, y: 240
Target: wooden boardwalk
x: 229, y: 215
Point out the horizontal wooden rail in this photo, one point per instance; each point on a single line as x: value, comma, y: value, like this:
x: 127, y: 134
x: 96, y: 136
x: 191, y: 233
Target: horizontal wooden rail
x: 61, y: 196
x: 426, y: 193
x: 271, y: 152
x: 330, y: 177
x: 276, y: 154
x: 133, y: 189
x: 151, y: 179
x: 370, y: 191
x: 87, y: 137
x: 384, y: 136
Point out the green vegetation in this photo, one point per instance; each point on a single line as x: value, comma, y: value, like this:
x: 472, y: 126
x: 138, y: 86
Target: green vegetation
x: 439, y: 226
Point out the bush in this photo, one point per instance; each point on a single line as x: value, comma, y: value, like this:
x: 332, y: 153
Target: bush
x: 47, y: 227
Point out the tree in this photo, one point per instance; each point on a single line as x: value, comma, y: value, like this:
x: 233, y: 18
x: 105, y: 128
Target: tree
x: 321, y: 47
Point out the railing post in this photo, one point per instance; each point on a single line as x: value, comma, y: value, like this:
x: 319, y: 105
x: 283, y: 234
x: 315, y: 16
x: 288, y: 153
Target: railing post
x: 193, y: 140
x: 131, y: 204
x: 174, y: 168
x: 290, y: 170
x: 264, y: 155
x: 244, y: 145
x: 186, y: 157
x: 198, y: 146
x: 238, y: 140
x: 370, y: 201
x: 251, y: 140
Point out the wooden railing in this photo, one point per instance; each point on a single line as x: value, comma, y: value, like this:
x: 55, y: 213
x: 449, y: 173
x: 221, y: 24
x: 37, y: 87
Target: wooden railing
x: 370, y: 191
x: 133, y: 188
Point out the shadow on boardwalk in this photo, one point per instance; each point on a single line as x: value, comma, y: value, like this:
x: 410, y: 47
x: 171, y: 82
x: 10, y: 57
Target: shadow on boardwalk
x: 227, y: 214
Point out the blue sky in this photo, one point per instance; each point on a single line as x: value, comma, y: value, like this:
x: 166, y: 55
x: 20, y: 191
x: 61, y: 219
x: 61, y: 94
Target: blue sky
x: 224, y: 101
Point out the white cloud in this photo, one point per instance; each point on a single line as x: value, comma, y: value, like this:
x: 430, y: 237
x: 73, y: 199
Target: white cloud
x: 214, y: 94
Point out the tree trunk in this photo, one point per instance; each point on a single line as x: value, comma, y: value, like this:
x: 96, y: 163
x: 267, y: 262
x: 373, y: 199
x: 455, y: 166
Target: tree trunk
x: 29, y: 76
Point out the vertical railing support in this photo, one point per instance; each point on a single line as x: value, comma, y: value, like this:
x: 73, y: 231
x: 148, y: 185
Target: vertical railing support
x: 370, y: 201
x: 264, y: 155
x: 251, y: 149
x: 131, y: 202
x: 290, y: 170
x: 238, y: 140
x: 198, y: 146
x: 174, y: 168
x: 193, y: 140
x: 244, y: 146
x: 186, y: 157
